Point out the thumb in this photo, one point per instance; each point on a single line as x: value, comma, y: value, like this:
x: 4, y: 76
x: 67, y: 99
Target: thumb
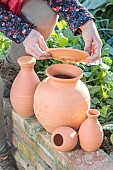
x: 88, y: 46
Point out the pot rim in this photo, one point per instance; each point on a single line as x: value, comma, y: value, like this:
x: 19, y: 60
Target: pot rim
x: 92, y: 113
x: 67, y: 69
x: 26, y: 60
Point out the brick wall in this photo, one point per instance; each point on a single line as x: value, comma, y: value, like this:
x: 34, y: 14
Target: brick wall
x: 34, y: 151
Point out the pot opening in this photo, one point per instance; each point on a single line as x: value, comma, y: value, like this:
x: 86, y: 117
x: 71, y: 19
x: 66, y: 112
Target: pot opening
x: 65, y: 72
x: 58, y: 140
x: 26, y: 60
x: 93, y: 112
x: 63, y: 76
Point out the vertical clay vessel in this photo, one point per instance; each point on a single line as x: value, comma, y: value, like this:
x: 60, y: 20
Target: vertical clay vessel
x: 24, y: 86
x: 91, y: 132
x: 62, y: 98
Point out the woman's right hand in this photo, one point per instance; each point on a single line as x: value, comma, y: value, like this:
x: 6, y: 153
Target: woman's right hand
x: 35, y: 45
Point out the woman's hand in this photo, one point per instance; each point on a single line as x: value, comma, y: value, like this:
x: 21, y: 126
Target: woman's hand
x: 36, y: 46
x: 92, y: 41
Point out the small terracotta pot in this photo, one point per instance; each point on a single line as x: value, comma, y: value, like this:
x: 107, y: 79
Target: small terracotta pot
x: 64, y: 139
x: 91, y: 132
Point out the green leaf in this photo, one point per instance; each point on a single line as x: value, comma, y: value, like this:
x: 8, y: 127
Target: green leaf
x: 108, y: 47
x: 109, y: 101
x: 111, y: 1
x: 95, y: 89
x: 94, y: 3
x: 62, y: 41
x: 107, y: 60
x: 105, y: 51
x: 110, y: 94
x: 61, y: 24
x: 103, y: 111
x: 87, y: 74
x: 95, y: 101
x: 108, y: 127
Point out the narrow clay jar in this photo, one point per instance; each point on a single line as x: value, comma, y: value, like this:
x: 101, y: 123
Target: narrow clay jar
x: 24, y: 86
x: 91, y: 132
x: 64, y: 139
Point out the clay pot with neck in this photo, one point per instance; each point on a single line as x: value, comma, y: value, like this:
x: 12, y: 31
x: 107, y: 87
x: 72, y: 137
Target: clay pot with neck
x: 24, y: 86
x: 62, y: 98
x: 91, y: 132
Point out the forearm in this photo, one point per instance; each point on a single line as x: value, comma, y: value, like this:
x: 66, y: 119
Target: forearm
x: 72, y: 12
x: 13, y: 26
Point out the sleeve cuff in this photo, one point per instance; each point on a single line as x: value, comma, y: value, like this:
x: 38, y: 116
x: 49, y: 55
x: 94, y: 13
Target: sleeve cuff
x: 78, y: 31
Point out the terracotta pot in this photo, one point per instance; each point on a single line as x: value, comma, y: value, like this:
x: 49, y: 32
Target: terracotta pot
x: 24, y: 86
x: 62, y: 98
x: 64, y: 139
x: 91, y: 132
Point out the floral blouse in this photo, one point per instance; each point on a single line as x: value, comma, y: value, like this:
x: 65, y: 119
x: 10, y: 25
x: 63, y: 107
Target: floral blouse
x: 71, y: 11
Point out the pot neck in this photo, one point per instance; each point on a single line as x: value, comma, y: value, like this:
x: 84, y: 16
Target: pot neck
x: 93, y: 113
x: 64, y: 73
x: 26, y: 62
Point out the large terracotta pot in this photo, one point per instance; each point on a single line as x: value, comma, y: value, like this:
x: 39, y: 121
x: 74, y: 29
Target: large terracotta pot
x: 24, y: 86
x: 90, y: 132
x: 62, y: 98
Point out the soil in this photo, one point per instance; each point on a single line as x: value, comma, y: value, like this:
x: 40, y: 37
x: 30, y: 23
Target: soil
x: 107, y: 146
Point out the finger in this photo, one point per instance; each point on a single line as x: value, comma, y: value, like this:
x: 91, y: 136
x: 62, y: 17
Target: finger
x: 95, y: 55
x: 42, y: 43
x: 88, y: 46
x: 40, y: 54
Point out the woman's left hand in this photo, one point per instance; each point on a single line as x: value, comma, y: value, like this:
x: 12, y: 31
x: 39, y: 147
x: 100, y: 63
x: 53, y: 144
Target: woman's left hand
x: 92, y: 41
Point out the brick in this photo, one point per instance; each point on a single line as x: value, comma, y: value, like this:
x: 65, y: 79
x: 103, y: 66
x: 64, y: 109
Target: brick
x: 30, y: 156
x: 20, y: 160
x: 22, y: 147
x: 25, y: 165
x: 37, y: 148
x: 18, y: 120
x: 32, y: 127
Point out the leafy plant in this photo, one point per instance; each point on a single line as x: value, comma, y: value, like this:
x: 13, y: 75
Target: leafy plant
x: 4, y: 45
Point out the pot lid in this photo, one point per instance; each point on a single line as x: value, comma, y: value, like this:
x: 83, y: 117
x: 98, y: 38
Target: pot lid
x: 68, y: 55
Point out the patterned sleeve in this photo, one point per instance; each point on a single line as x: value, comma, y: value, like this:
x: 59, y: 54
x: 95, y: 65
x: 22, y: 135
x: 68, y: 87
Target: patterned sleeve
x: 72, y: 12
x: 13, y: 26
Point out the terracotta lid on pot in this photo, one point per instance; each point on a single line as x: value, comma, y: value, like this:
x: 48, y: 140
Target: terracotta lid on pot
x: 68, y: 55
